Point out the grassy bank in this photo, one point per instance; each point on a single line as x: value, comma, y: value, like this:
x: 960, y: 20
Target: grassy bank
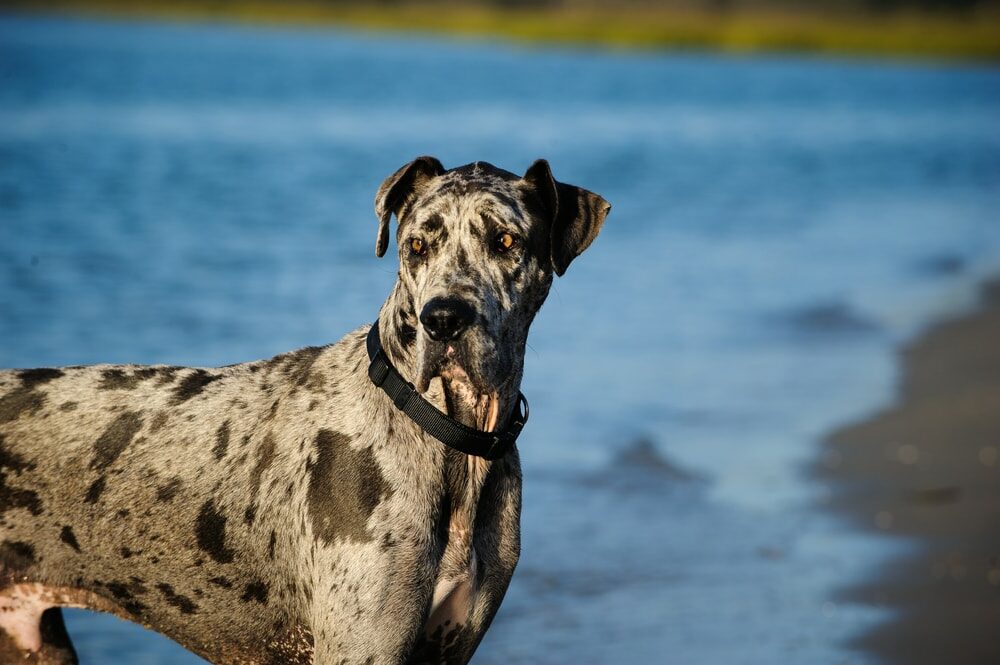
x: 853, y: 33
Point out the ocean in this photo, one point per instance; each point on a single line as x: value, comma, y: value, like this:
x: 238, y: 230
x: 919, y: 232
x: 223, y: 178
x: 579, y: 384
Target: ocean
x: 202, y: 195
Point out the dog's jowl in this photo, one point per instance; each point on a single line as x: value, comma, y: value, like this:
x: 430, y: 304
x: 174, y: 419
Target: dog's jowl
x: 290, y: 510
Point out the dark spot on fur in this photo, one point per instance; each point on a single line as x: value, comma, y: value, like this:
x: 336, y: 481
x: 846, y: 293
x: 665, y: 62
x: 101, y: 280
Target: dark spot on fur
x: 443, y: 516
x: 221, y: 581
x: 68, y: 537
x: 11, y: 460
x: 345, y: 486
x: 118, y: 590
x: 271, y: 544
x: 116, y: 379
x: 167, y: 374
x: 16, y: 555
x: 15, y: 497
x: 210, y: 528
x: 256, y: 591
x: 134, y: 607
x: 159, y: 420
x: 119, y: 379
x: 192, y: 385
x: 183, y: 603
x: 297, y: 367
x: 126, y: 553
x: 35, y: 377
x: 18, y: 401
x: 68, y: 406
x: 407, y: 334
x: 168, y: 491
x: 265, y: 457
x: 95, y: 490
x: 115, y: 439
x: 126, y: 594
x: 434, y: 223
x: 250, y: 514
x: 221, y: 441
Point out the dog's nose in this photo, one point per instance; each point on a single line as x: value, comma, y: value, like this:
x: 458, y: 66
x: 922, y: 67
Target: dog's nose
x: 444, y: 319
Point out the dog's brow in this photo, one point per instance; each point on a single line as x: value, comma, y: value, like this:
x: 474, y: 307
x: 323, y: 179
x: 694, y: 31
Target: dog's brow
x: 433, y: 223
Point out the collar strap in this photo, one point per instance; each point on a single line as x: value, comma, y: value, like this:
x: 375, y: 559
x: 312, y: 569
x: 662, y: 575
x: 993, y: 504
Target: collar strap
x: 447, y: 430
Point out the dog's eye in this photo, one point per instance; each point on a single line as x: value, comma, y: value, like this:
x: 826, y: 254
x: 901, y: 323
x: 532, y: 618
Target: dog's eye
x: 418, y: 247
x: 504, y: 242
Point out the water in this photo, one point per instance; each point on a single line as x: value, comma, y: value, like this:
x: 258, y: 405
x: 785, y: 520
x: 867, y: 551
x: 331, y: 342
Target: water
x: 203, y: 195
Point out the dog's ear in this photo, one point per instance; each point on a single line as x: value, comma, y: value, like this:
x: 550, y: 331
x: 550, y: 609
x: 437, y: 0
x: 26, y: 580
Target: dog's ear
x: 577, y: 215
x: 398, y: 189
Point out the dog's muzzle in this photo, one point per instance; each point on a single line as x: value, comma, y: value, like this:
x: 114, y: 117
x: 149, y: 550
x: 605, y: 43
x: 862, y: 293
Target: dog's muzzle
x: 488, y: 445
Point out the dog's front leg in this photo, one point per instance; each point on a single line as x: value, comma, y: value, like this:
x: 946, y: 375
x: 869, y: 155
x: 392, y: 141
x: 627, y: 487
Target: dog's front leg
x: 370, y: 600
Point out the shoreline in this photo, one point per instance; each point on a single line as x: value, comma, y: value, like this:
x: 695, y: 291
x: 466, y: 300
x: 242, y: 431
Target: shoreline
x: 909, y: 35
x: 927, y: 468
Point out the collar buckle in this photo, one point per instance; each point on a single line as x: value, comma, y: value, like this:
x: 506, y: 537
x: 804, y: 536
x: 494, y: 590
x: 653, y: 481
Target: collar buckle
x: 402, y: 398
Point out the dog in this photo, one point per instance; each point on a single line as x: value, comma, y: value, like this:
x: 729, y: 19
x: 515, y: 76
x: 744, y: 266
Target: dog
x: 289, y: 510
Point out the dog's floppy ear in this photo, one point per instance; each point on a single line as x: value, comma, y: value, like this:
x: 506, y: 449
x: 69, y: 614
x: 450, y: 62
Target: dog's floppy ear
x: 577, y: 214
x: 398, y: 189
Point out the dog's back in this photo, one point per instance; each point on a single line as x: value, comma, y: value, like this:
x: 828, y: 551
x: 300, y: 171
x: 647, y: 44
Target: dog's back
x: 151, y: 492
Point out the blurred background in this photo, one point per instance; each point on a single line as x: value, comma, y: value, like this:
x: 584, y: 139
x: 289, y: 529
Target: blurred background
x: 765, y: 403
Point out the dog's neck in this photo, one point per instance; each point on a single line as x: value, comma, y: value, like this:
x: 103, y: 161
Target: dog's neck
x: 465, y: 474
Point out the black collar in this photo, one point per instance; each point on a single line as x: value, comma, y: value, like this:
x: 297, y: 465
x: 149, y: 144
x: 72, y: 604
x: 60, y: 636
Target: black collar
x: 465, y: 439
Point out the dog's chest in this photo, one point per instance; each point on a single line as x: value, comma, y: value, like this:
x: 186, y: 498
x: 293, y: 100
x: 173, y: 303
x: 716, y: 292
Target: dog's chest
x: 457, y: 583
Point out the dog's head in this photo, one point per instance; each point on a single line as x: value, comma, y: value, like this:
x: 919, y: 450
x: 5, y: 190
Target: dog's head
x: 477, y: 250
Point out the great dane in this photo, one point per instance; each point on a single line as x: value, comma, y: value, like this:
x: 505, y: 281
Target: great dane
x: 289, y: 510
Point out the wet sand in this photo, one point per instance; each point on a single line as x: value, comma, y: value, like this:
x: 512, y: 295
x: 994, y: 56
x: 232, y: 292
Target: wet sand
x: 928, y: 469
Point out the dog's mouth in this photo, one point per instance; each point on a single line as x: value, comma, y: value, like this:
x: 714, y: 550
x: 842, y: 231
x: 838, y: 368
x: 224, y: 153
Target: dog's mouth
x: 468, y: 400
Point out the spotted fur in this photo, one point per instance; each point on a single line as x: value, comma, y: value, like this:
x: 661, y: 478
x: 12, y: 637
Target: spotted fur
x: 283, y: 511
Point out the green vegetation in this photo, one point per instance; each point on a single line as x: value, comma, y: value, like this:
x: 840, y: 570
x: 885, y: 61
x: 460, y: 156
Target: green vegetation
x: 922, y: 28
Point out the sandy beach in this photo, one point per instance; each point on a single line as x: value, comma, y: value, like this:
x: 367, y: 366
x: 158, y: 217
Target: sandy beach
x: 928, y: 469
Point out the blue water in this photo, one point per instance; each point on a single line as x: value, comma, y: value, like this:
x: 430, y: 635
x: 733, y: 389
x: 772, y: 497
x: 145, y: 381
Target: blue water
x: 203, y: 195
